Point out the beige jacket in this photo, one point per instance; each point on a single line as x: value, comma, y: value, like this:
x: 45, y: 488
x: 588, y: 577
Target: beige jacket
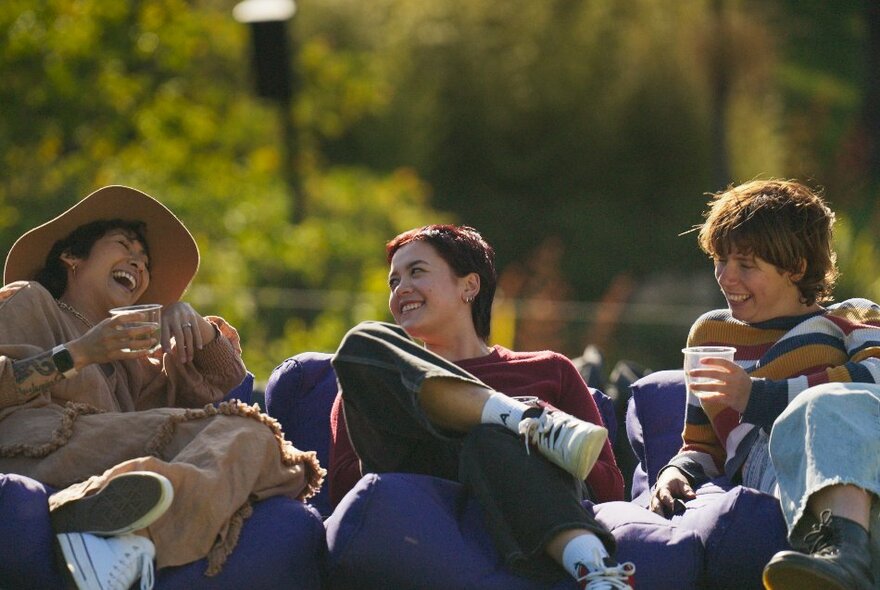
x: 152, y: 414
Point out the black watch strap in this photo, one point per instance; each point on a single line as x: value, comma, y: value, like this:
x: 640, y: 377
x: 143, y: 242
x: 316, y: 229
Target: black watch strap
x: 63, y: 361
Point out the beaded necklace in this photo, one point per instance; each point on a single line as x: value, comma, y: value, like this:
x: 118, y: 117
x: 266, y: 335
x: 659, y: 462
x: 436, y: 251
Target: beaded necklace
x: 69, y: 308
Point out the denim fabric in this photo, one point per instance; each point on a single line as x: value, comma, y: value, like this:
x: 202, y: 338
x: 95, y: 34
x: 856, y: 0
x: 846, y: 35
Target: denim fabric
x: 757, y: 471
x: 526, y: 500
x: 829, y: 434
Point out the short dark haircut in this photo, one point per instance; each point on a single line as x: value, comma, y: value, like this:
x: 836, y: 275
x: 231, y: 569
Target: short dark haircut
x: 79, y: 243
x: 781, y: 221
x: 465, y: 251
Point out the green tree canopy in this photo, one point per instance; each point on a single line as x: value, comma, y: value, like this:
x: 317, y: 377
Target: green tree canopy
x: 156, y: 95
x: 580, y: 136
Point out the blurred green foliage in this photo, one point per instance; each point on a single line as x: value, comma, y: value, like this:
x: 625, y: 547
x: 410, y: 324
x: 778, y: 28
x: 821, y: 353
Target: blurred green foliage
x: 603, y: 124
x: 156, y: 95
x: 596, y: 126
x: 553, y: 118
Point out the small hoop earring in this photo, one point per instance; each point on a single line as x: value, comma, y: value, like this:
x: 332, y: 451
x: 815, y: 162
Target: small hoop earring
x: 468, y: 299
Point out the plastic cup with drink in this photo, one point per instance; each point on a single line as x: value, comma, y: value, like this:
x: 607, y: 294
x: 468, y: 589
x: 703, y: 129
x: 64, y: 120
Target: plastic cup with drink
x: 693, y: 357
x: 141, y: 315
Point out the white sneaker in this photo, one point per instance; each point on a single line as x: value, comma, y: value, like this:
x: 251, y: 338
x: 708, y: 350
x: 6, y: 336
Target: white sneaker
x: 108, y: 563
x: 565, y: 440
x: 605, y: 574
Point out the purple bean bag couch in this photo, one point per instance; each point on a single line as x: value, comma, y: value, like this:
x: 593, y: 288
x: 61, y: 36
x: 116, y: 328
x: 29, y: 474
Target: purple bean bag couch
x: 282, y: 545
x: 739, y: 528
x: 413, y: 531
x: 300, y: 394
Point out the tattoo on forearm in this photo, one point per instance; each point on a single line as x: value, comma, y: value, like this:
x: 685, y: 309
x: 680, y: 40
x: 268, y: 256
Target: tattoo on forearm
x: 36, y: 373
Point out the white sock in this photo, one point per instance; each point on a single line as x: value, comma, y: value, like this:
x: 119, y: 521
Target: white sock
x: 503, y: 410
x: 583, y: 549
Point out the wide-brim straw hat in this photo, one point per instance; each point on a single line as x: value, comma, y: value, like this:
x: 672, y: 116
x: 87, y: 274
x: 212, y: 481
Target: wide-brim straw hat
x: 174, y: 255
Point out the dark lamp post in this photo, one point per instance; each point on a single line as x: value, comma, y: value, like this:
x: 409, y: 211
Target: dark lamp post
x: 270, y: 48
x: 270, y: 57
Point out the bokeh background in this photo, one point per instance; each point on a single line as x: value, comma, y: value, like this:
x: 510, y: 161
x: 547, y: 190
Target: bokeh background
x: 581, y: 137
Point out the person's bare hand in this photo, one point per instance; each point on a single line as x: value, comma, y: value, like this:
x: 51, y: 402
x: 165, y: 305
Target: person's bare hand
x: 112, y: 340
x: 671, y: 485
x: 731, y: 384
x: 189, y: 330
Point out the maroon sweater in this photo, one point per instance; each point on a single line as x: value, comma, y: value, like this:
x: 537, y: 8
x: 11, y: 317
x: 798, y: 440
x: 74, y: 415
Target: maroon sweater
x: 548, y: 375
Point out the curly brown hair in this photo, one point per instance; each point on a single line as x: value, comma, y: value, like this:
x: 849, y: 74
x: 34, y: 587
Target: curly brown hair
x: 781, y: 221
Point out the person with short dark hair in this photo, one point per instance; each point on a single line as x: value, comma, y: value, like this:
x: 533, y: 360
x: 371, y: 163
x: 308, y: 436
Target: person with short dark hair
x: 425, y: 396
x: 796, y: 413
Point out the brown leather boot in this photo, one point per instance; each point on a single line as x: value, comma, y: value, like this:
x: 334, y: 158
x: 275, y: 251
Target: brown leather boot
x: 839, y: 559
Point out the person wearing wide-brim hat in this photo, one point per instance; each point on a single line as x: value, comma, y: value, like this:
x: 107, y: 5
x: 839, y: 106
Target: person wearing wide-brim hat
x: 101, y: 408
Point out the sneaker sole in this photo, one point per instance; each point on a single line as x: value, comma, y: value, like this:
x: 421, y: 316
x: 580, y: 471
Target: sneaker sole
x: 785, y: 576
x: 590, y: 451
x: 129, y: 502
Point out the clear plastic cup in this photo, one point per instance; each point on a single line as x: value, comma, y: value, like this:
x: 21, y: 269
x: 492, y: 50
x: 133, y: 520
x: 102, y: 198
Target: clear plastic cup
x: 693, y: 355
x: 139, y: 315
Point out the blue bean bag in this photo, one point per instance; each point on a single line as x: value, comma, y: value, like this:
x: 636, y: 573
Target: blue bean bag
x: 413, y: 531
x: 398, y: 530
x: 300, y: 394
x: 282, y: 544
x: 739, y: 528
x: 404, y: 530
x: 654, y: 423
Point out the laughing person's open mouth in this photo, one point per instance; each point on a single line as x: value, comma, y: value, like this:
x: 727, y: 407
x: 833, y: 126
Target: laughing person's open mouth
x: 125, y: 278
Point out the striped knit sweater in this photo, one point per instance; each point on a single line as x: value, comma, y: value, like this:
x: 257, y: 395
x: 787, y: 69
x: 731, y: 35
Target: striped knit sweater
x: 784, y: 356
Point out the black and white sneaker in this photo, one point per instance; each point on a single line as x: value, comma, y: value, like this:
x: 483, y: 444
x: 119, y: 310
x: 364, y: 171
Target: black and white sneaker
x: 565, y: 440
x: 129, y: 502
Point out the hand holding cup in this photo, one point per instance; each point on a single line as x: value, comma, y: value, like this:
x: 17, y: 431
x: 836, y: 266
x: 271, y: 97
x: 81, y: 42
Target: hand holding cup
x: 146, y: 318
x: 712, y: 375
x: 693, y: 359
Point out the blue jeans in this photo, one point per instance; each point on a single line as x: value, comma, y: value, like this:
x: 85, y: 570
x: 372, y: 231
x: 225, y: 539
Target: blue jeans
x: 526, y: 499
x: 829, y: 434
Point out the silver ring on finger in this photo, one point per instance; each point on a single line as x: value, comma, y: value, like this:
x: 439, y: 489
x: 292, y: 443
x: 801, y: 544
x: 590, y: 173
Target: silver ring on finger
x: 186, y: 325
